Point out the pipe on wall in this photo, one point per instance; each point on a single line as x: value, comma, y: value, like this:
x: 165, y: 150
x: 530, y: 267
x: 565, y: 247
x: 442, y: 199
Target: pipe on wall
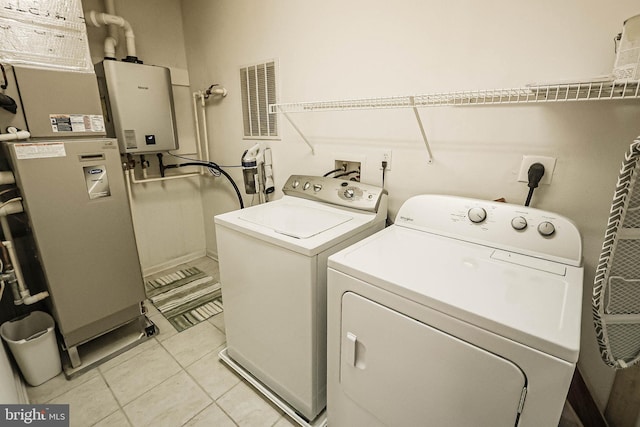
x: 110, y: 8
x: 22, y: 295
x: 15, y: 135
x: 98, y: 19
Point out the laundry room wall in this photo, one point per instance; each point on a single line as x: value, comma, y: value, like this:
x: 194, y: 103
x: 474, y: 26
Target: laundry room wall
x: 337, y: 50
x: 168, y: 216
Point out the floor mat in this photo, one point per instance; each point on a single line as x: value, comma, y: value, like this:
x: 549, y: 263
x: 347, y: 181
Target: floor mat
x: 185, y: 297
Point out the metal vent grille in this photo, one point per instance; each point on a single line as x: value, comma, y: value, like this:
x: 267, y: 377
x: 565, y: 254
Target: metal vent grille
x: 258, y: 89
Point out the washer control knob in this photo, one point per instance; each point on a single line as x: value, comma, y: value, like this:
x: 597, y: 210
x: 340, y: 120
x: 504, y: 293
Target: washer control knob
x: 519, y: 223
x: 317, y: 187
x: 546, y: 228
x: 477, y: 215
x: 295, y: 183
x: 349, y: 193
x: 306, y: 185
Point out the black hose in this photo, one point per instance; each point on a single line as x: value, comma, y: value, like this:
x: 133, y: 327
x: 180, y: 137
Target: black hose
x: 162, y: 166
x: 214, y: 166
x: 346, y: 174
x: 333, y: 171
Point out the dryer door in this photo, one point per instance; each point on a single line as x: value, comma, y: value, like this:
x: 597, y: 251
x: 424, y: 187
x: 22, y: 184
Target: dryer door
x: 406, y: 373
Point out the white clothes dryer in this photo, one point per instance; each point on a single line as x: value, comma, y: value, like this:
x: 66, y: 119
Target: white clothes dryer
x: 463, y: 313
x: 273, y: 269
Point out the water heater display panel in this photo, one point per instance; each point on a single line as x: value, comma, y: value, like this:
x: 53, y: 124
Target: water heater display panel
x: 140, y: 102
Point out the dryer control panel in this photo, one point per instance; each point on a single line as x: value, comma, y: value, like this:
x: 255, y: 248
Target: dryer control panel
x: 341, y: 192
x: 509, y: 227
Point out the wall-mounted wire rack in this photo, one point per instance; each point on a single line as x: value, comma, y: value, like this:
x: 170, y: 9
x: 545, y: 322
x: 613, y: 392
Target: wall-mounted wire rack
x: 539, y: 93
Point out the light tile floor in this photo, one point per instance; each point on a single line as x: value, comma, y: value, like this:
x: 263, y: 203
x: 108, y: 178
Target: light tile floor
x: 173, y: 379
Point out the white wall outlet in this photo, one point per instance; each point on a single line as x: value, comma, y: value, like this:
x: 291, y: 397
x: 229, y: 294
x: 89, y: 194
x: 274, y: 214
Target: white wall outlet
x: 385, y: 156
x: 549, y: 164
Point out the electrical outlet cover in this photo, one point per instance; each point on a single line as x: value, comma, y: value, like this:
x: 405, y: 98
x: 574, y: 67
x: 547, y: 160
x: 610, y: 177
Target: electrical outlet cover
x: 549, y: 164
x: 385, y: 156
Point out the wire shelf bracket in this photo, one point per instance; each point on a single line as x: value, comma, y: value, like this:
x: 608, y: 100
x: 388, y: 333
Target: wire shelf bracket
x: 304, y: 138
x: 422, y: 132
x: 601, y: 90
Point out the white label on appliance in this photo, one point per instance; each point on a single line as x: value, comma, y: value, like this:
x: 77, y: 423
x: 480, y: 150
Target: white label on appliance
x: 40, y: 150
x: 76, y: 123
x: 130, y: 138
x: 97, y: 181
x: 97, y: 123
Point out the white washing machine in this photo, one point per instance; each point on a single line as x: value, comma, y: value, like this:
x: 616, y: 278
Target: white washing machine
x: 273, y: 269
x: 462, y: 313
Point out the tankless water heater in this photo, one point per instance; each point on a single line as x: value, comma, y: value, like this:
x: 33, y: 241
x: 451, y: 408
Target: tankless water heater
x: 138, y: 104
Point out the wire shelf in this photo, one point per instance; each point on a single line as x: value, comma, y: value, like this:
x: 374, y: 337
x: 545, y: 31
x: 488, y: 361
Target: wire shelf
x: 565, y: 92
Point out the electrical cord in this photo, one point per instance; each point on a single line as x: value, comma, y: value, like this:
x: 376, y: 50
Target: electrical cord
x: 535, y: 174
x: 384, y: 168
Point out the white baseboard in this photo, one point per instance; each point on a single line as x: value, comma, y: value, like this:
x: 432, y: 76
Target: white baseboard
x: 213, y: 255
x: 147, y: 271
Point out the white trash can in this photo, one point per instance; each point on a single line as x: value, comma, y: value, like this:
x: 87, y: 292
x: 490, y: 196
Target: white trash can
x: 32, y: 341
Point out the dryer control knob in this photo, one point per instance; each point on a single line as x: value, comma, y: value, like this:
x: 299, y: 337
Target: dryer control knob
x: 349, y: 193
x: 295, y: 183
x: 546, y: 228
x: 477, y: 215
x: 519, y: 223
x: 317, y: 187
x: 306, y: 185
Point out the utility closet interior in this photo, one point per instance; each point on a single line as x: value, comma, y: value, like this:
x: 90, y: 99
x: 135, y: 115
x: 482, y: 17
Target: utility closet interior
x: 405, y: 197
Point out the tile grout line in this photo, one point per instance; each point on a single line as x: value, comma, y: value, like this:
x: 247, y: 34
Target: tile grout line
x: 184, y: 369
x: 121, y: 408
x: 242, y: 380
x: 98, y: 368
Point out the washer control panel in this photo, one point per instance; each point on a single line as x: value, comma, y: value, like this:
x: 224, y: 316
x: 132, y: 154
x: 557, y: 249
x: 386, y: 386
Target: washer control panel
x: 336, y: 191
x: 501, y: 225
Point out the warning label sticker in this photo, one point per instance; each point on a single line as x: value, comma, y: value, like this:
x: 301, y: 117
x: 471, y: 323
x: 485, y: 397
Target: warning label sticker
x: 76, y: 122
x: 40, y: 150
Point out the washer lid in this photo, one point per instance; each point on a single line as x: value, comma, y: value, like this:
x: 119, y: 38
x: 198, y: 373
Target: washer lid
x: 301, y: 222
x: 302, y: 225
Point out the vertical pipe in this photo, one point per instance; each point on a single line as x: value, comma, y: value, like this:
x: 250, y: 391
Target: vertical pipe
x: 110, y: 8
x: 205, y: 131
x: 197, y: 123
x: 128, y: 175
x: 8, y: 237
